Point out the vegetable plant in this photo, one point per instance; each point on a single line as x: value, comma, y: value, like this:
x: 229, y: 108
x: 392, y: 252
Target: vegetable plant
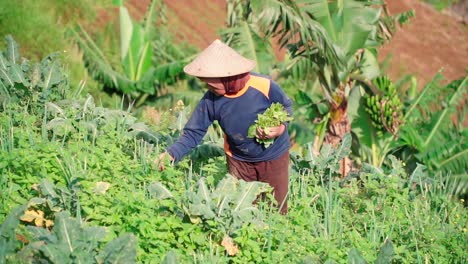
x: 30, y: 84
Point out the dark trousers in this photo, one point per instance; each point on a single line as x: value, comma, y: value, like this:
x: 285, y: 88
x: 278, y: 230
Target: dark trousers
x: 274, y: 172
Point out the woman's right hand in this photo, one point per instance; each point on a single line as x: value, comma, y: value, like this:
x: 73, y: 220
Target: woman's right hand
x: 161, y: 160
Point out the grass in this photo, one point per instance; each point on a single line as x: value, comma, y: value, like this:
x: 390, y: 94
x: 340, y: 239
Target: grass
x: 441, y: 4
x: 43, y: 31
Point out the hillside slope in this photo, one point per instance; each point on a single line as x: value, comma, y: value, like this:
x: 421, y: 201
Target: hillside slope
x: 431, y: 41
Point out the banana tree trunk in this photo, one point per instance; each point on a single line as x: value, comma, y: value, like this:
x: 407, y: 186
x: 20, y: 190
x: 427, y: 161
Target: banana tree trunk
x: 338, y: 126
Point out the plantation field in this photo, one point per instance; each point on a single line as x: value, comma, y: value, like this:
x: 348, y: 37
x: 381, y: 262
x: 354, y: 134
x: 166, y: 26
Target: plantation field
x: 378, y: 163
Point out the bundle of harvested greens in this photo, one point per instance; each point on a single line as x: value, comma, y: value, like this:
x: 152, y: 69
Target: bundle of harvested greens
x: 274, y: 116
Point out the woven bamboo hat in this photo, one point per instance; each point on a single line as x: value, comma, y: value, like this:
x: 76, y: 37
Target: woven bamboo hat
x: 218, y: 60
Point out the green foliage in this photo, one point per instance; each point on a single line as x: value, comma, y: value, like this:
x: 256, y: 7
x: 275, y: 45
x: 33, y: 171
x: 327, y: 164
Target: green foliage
x: 43, y: 30
x: 229, y: 205
x: 390, y: 23
x: 335, y: 41
x: 27, y: 83
x: 366, y: 210
x: 332, y: 216
x: 275, y: 115
x: 309, y: 107
x: 134, y: 61
x: 209, y: 149
x: 141, y: 71
x: 243, y: 35
x: 70, y: 240
x: 53, y: 199
x: 254, y: 26
x: 424, y: 128
x: 385, y: 255
x: 8, y: 242
x: 347, y: 39
x: 442, y: 4
x: 326, y: 163
x: 78, y: 159
x: 436, y: 135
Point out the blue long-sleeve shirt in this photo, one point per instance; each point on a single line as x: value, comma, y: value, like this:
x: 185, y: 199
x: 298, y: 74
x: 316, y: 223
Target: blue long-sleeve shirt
x: 235, y: 114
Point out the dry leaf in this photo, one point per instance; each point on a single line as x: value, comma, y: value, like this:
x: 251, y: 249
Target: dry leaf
x: 39, y: 220
x: 152, y: 115
x: 49, y: 223
x: 22, y: 238
x: 33, y: 216
x: 101, y: 187
x: 230, y: 246
x: 29, y: 216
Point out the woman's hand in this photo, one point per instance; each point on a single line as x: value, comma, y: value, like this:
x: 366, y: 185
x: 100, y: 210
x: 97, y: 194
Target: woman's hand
x: 161, y: 160
x: 271, y: 132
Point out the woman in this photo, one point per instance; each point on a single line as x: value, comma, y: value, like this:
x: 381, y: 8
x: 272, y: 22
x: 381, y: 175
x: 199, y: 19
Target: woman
x: 235, y: 98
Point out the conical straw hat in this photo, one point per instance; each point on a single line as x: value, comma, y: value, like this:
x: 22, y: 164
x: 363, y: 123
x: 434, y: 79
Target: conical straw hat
x: 218, y: 60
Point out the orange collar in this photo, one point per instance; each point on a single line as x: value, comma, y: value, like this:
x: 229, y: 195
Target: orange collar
x: 243, y: 90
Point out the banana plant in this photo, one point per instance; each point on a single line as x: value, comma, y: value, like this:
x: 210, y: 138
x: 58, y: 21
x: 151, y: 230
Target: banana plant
x: 243, y: 36
x: 378, y: 119
x: 436, y: 135
x: 141, y: 72
x: 253, y: 28
x: 339, y: 38
x: 427, y: 128
x: 351, y: 26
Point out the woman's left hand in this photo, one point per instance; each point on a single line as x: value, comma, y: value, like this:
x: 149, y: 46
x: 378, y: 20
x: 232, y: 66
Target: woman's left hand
x: 271, y: 132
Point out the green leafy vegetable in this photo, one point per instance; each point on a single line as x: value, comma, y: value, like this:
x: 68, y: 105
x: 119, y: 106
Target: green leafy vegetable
x: 274, y: 116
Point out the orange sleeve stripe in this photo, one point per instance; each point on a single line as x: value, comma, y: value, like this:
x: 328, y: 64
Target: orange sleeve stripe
x: 261, y: 84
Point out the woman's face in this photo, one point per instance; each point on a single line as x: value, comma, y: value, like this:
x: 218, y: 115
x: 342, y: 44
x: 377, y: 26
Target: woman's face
x: 214, y: 85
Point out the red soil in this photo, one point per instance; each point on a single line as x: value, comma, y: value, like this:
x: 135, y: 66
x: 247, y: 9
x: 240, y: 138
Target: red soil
x: 431, y: 41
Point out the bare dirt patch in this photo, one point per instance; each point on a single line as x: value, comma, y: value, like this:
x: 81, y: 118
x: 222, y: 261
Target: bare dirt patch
x: 432, y: 41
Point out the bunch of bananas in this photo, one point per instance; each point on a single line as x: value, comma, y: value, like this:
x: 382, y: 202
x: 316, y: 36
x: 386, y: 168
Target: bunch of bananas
x: 385, y: 109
